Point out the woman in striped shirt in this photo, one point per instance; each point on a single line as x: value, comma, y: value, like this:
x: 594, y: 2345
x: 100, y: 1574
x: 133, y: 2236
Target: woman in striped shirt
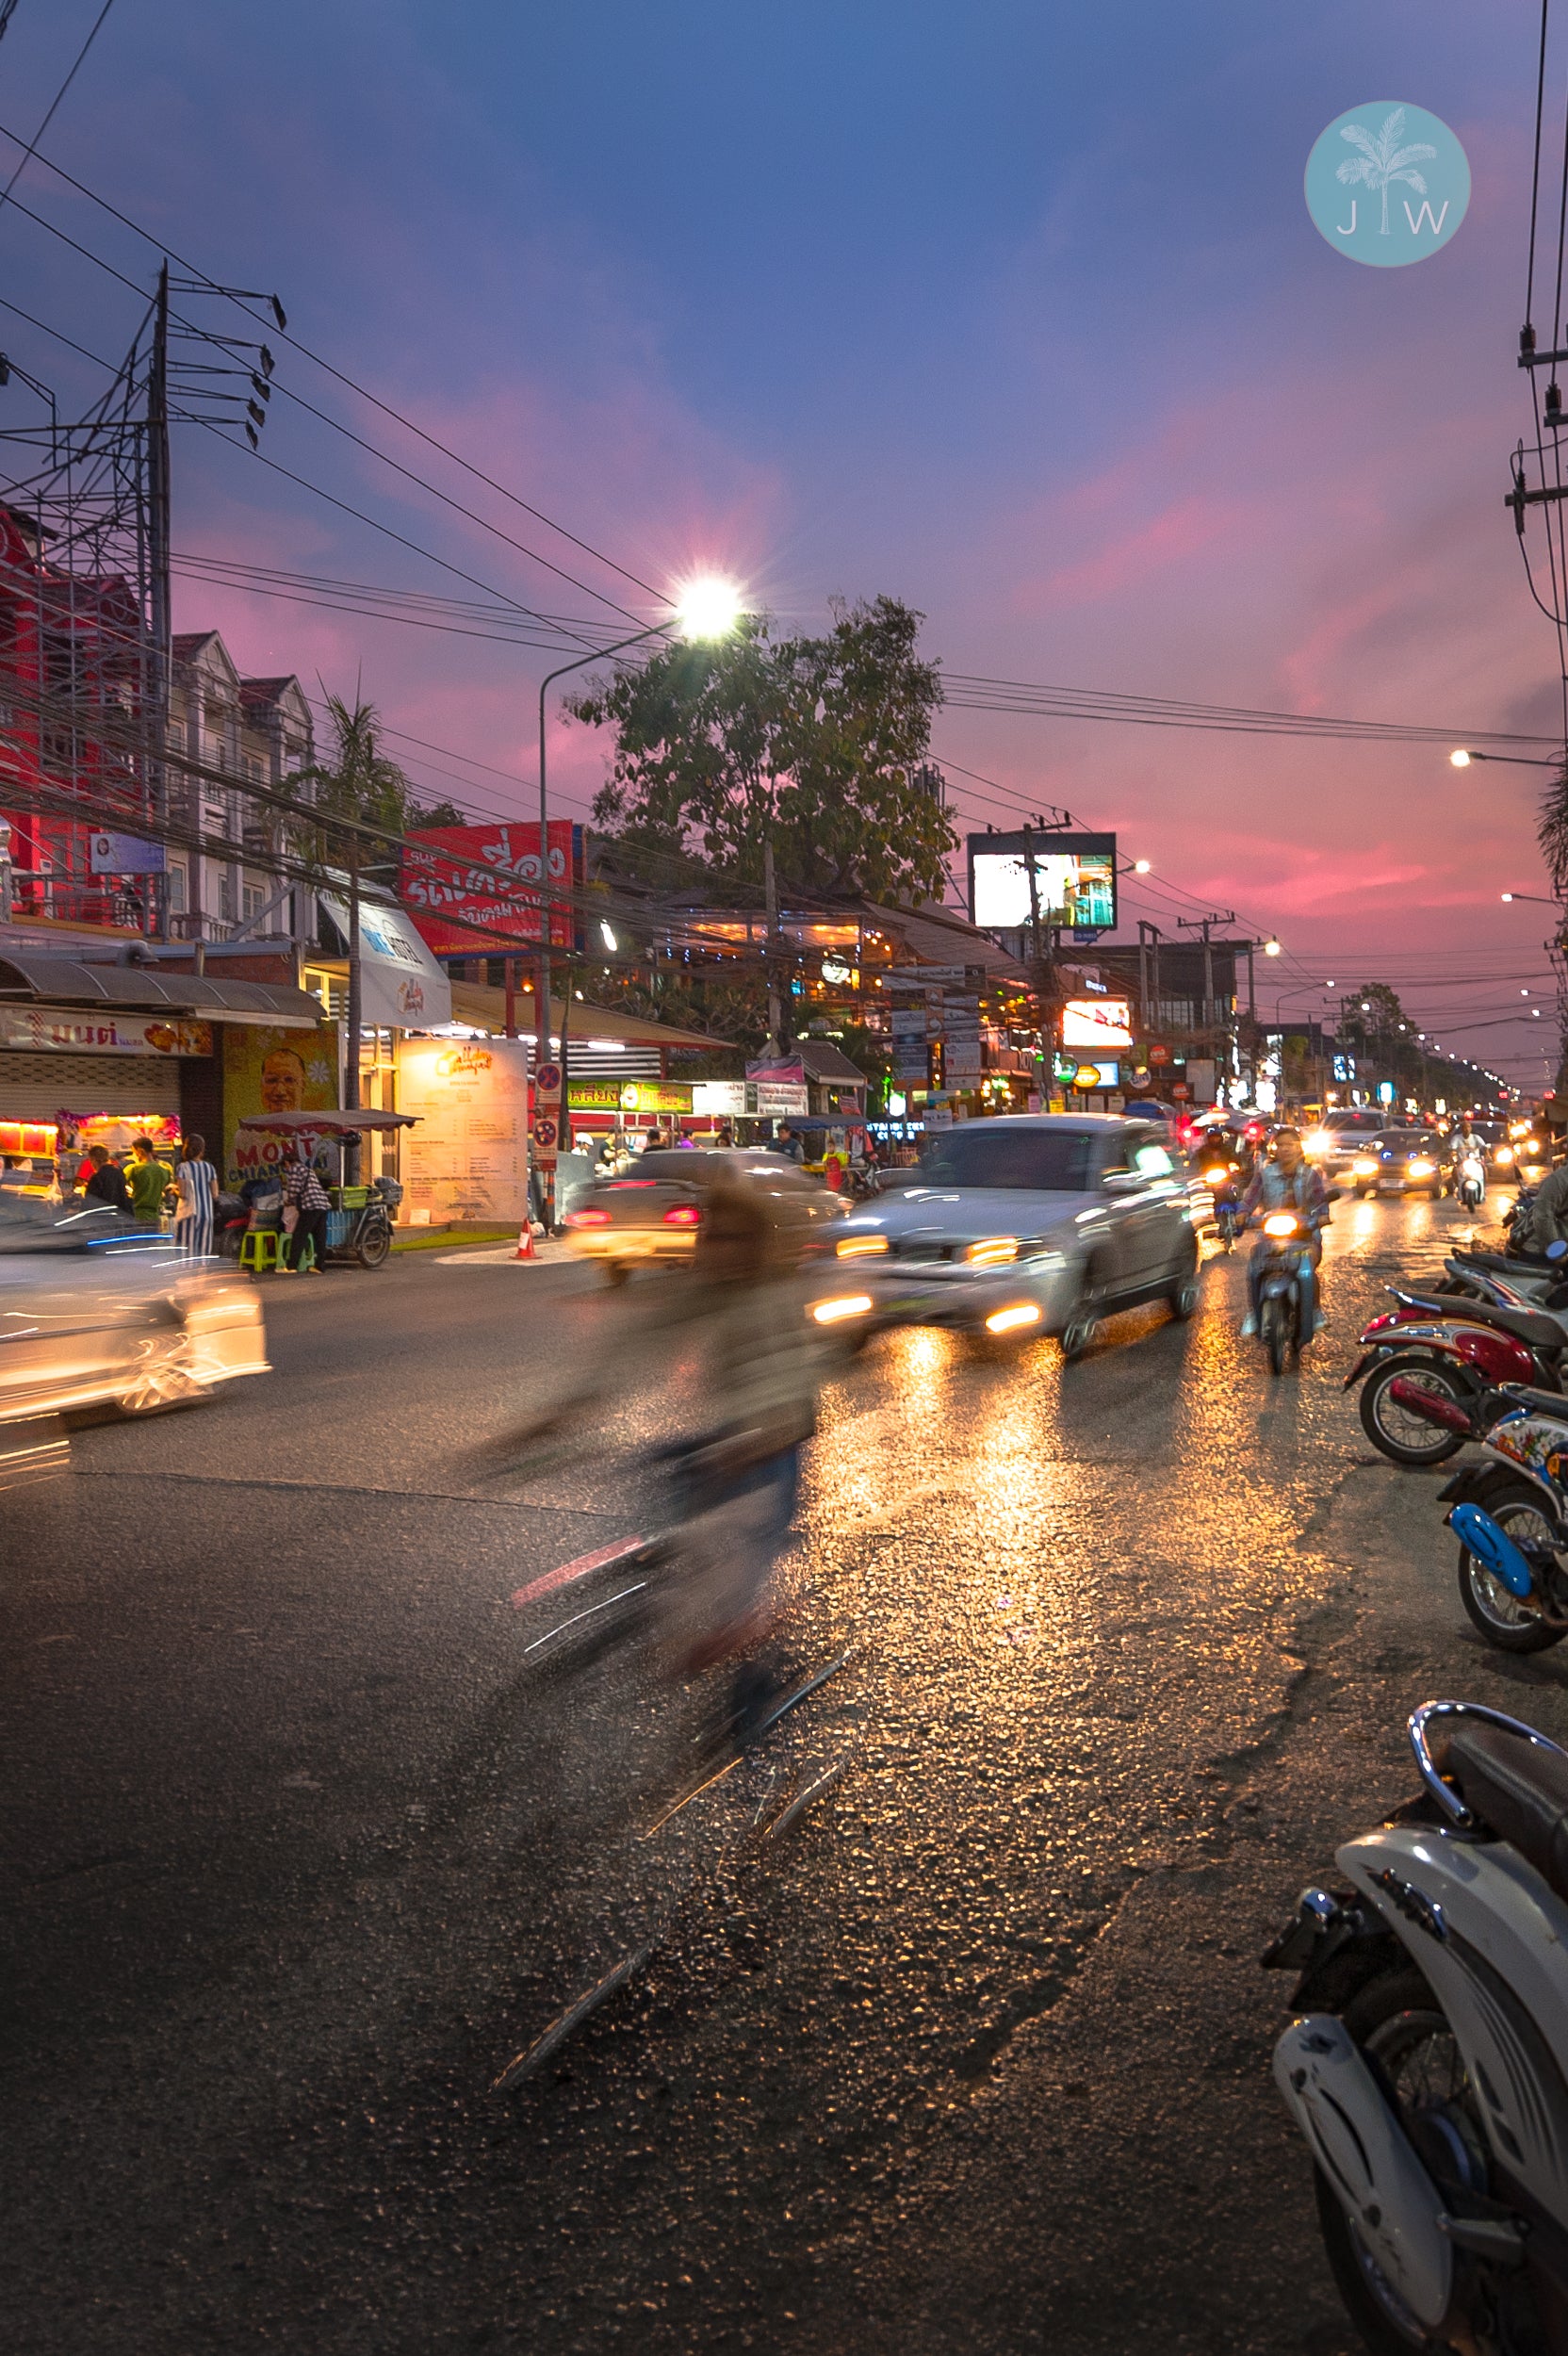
x: 196, y: 1185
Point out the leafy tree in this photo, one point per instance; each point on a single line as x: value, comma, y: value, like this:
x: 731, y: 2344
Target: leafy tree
x: 816, y: 745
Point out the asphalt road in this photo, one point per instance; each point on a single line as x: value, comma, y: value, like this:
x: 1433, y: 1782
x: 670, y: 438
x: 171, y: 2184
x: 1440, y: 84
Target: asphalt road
x: 298, y: 1853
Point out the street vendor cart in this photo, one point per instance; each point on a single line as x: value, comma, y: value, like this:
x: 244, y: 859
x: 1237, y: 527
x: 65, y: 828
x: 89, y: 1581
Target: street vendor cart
x: 359, y: 1224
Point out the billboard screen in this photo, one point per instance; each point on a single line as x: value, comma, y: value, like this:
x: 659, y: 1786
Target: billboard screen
x: 1097, y: 1023
x: 480, y: 875
x: 1074, y: 881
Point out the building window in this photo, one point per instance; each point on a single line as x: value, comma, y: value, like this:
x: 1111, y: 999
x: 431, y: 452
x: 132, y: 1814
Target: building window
x: 253, y: 899
x: 176, y: 888
x: 225, y: 897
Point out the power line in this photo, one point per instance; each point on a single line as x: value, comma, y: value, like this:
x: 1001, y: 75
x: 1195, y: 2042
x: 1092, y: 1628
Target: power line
x: 31, y: 149
x: 363, y: 391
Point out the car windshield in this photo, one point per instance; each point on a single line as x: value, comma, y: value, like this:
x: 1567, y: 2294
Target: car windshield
x: 1407, y: 1141
x: 1036, y: 1161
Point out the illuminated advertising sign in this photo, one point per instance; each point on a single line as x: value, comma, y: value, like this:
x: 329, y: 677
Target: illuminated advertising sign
x: 1100, y: 1024
x: 480, y: 876
x: 1074, y: 881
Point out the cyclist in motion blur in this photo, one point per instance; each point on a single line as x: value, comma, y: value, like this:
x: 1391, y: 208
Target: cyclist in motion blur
x: 742, y: 1314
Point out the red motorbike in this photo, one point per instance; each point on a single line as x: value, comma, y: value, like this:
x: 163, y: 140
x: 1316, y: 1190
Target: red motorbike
x: 1430, y: 1363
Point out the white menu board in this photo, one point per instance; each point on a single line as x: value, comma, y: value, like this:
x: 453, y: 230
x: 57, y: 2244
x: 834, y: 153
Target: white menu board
x: 467, y: 1157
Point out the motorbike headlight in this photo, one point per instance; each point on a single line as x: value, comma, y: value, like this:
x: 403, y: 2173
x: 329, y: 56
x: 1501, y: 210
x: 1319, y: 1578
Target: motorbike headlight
x: 1280, y: 1223
x: 1318, y: 1141
x: 1216, y: 1177
x: 1504, y: 1153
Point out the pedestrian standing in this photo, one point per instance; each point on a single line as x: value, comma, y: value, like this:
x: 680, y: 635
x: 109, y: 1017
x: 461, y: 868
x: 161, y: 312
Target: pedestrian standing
x: 107, y: 1181
x: 307, y: 1198
x: 148, y: 1179
x: 196, y: 1185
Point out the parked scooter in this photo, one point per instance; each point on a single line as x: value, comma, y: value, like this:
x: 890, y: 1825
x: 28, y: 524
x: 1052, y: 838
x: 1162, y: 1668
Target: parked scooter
x: 1426, y: 2063
x: 1428, y: 1364
x: 1510, y: 1514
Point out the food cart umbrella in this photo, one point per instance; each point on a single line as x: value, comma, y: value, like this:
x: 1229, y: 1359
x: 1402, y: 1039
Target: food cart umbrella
x: 335, y: 1124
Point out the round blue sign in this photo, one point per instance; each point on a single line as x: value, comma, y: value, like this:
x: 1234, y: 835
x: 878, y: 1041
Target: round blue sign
x: 1387, y: 183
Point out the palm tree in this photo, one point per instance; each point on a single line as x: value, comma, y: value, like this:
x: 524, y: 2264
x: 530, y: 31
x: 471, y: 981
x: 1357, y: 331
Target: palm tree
x: 359, y: 786
x: 1382, y: 160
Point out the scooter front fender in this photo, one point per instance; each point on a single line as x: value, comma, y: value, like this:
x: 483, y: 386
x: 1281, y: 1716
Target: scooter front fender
x: 1367, y: 2158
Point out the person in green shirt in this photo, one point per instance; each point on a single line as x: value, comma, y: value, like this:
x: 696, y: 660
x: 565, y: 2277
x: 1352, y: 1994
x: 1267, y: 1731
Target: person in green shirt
x: 147, y: 1178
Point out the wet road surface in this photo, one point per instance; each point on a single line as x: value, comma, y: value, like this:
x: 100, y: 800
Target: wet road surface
x: 972, y: 2053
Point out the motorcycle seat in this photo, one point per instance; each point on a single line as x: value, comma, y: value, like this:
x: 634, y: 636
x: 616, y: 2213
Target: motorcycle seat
x: 1537, y: 1333
x: 1511, y: 1266
x: 1509, y: 1395
x: 1518, y: 1789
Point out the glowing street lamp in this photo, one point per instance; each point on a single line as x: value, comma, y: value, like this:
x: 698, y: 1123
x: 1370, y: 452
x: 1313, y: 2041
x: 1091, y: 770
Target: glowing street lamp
x: 708, y: 607
x: 1271, y: 949
x: 1143, y: 866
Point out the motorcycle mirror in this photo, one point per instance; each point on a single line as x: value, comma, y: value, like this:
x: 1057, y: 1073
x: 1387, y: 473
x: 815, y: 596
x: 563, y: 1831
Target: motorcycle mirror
x: 1557, y: 1250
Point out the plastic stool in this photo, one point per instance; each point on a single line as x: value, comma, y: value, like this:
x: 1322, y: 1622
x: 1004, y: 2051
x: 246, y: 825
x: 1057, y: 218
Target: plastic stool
x: 259, y: 1249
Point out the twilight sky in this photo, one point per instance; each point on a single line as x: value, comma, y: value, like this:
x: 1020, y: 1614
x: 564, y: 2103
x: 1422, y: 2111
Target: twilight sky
x: 1012, y: 310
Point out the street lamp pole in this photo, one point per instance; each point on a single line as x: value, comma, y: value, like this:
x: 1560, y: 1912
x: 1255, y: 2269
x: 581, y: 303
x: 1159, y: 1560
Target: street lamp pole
x: 600, y: 654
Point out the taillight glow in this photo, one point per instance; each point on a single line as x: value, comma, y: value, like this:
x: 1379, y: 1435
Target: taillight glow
x: 834, y: 1312
x: 586, y: 1219
x: 683, y: 1214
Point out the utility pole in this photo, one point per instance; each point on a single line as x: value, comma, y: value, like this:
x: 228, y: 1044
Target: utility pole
x: 770, y: 894
x: 351, y: 1052
x: 159, y: 535
x: 1205, y: 924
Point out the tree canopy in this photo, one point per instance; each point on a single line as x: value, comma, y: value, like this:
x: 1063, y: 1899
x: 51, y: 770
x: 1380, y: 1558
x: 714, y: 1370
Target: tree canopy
x: 819, y: 744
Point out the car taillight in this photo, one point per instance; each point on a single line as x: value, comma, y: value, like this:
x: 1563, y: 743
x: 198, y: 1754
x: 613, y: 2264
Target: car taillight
x: 682, y: 1215
x: 586, y: 1219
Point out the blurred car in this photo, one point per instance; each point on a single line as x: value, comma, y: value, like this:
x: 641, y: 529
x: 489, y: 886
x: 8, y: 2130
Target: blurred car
x: 652, y: 1210
x: 1402, y: 1161
x: 1038, y: 1223
x: 1340, y: 1136
x: 96, y: 1312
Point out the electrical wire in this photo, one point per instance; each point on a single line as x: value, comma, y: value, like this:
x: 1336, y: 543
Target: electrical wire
x: 362, y: 391
x: 31, y: 148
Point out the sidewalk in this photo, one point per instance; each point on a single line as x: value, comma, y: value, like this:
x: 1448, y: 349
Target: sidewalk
x: 483, y: 1254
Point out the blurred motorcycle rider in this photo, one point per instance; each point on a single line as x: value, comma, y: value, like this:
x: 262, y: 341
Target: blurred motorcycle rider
x: 1286, y: 1180
x: 739, y: 1317
x: 763, y: 1363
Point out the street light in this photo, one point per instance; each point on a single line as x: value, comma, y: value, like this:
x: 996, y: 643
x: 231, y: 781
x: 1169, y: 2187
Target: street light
x: 706, y: 608
x: 1142, y: 866
x: 1539, y: 899
x: 1461, y: 758
x: 1271, y: 949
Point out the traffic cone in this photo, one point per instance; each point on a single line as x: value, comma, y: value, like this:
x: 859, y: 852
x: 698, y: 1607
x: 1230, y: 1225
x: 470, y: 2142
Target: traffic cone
x: 525, y: 1243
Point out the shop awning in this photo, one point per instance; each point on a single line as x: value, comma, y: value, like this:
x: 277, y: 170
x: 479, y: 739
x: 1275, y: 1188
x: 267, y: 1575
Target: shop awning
x: 485, y: 1009
x: 148, y: 990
